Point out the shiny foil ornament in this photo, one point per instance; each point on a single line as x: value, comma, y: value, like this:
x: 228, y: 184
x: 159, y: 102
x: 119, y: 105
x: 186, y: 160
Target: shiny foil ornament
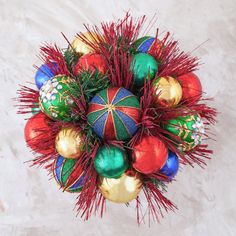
x: 147, y: 44
x: 43, y: 74
x: 121, y: 190
x: 149, y: 155
x: 167, y: 91
x: 111, y: 161
x: 69, y: 176
x: 190, y: 129
x: 70, y: 142
x: 55, y: 98
x: 114, y: 114
x: 171, y: 166
x: 37, y: 129
x: 143, y: 66
x: 91, y: 62
x: 80, y: 46
x: 191, y: 87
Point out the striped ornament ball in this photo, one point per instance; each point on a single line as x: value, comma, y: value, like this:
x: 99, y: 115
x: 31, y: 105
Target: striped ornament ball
x: 67, y: 175
x: 147, y: 44
x: 114, y: 114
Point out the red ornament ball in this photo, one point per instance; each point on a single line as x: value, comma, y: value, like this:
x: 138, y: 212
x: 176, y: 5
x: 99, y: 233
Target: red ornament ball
x: 149, y: 155
x: 191, y: 87
x: 36, y: 130
x: 91, y: 62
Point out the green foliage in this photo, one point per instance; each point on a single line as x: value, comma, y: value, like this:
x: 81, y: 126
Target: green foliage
x: 71, y: 58
x: 92, y: 138
x: 89, y: 83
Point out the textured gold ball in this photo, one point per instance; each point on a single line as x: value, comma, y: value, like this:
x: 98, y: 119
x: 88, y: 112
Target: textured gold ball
x: 70, y: 142
x: 80, y: 46
x: 167, y: 91
x: 121, y: 190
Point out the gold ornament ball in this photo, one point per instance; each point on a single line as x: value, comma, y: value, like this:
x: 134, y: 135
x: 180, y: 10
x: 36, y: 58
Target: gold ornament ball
x: 167, y: 91
x: 80, y: 46
x: 121, y: 190
x: 70, y: 142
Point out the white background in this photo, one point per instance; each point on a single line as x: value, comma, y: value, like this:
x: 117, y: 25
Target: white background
x: 33, y: 206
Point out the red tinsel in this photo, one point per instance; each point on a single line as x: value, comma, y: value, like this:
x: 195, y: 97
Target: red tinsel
x: 27, y: 99
x: 54, y: 58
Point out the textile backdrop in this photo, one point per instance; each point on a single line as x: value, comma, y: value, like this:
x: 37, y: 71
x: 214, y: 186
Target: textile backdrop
x: 32, y: 205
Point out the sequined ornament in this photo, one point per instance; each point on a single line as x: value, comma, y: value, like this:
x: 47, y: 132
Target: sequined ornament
x: 114, y: 114
x: 149, y: 155
x: 111, y: 161
x: 70, y: 142
x: 91, y: 62
x: 191, y: 87
x: 190, y: 129
x: 143, y: 66
x: 167, y: 91
x: 121, y: 190
x: 171, y: 166
x: 69, y: 176
x: 55, y: 98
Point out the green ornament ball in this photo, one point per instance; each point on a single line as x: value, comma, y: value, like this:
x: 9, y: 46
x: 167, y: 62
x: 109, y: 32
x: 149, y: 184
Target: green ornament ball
x: 143, y: 65
x: 111, y: 161
x: 189, y: 128
x: 55, y: 99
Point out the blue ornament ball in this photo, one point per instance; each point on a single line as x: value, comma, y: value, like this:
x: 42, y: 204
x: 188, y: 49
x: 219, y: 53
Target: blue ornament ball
x: 171, y: 166
x: 43, y: 74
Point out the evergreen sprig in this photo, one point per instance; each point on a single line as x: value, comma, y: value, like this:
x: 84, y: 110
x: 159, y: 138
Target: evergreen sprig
x: 71, y: 58
x: 91, y: 83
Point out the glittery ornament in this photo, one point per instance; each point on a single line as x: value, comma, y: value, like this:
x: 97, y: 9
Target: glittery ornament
x: 67, y: 175
x: 114, y: 114
x: 55, y: 98
x: 189, y: 129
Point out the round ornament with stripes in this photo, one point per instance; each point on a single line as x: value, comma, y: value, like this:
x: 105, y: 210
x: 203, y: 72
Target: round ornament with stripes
x: 114, y: 114
x: 70, y: 177
x: 147, y: 44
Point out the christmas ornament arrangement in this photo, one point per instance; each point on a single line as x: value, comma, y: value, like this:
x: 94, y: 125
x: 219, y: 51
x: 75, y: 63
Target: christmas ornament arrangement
x: 114, y: 114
